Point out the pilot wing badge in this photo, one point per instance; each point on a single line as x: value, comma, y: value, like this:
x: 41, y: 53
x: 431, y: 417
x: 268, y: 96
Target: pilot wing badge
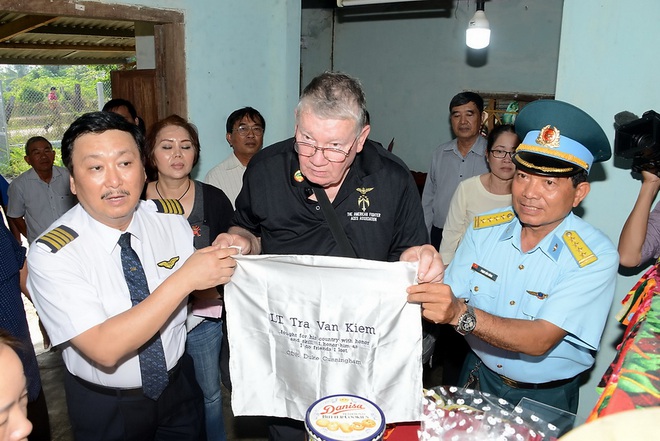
x: 169, y: 264
x: 363, y: 200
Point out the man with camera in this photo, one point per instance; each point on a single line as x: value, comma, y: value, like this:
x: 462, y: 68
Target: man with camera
x: 637, y: 139
x: 640, y: 237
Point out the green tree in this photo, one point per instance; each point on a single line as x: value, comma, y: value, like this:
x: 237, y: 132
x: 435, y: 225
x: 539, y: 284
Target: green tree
x: 31, y: 95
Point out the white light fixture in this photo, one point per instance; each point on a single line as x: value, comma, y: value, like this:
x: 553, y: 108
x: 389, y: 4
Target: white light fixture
x: 342, y: 3
x: 477, y: 35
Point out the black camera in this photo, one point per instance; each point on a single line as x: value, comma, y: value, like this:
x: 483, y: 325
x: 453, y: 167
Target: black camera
x: 638, y: 140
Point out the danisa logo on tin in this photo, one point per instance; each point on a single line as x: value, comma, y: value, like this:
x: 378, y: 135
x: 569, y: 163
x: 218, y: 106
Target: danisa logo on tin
x: 331, y: 409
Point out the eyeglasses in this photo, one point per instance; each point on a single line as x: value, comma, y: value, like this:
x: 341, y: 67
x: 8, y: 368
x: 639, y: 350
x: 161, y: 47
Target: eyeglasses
x: 501, y: 154
x: 243, y: 130
x: 330, y: 153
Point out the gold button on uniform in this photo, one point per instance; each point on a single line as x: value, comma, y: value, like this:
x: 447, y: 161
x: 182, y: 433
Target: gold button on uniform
x: 476, y: 288
x: 499, y: 366
x: 512, y: 302
x: 521, y: 267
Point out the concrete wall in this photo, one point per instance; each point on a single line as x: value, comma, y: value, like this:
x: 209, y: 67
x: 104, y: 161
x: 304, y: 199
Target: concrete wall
x: 608, y: 63
x: 238, y: 53
x: 412, y: 63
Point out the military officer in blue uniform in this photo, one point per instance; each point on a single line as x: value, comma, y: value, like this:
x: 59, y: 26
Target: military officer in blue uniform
x: 531, y: 285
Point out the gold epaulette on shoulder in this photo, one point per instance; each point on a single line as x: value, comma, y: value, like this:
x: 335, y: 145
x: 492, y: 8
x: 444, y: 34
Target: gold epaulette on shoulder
x: 169, y: 206
x: 58, y: 238
x: 490, y: 220
x: 579, y: 249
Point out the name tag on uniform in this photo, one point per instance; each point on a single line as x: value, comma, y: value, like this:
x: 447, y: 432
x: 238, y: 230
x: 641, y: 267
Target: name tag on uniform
x: 484, y: 272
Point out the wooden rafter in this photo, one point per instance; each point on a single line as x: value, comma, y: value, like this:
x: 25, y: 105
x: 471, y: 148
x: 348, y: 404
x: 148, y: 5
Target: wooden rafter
x: 68, y: 47
x: 22, y: 25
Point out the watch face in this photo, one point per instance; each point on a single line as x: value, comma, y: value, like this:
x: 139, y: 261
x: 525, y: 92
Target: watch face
x: 467, y: 322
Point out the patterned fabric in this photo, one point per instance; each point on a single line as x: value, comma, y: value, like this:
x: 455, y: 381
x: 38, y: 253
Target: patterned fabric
x: 152, y: 357
x: 633, y: 379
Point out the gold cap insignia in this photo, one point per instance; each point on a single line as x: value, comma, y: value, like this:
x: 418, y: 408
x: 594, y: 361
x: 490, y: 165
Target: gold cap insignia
x: 298, y: 176
x: 549, y: 137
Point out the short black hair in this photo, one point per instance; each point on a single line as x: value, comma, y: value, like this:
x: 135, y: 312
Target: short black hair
x: 466, y: 97
x: 34, y: 139
x: 497, y: 131
x: 97, y: 122
x: 119, y: 102
x: 579, y: 177
x: 239, y: 114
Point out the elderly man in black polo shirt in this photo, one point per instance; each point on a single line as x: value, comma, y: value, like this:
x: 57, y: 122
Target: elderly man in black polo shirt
x: 371, y: 196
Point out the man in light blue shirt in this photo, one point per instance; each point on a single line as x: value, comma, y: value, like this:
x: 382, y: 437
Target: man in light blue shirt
x: 531, y: 285
x: 454, y: 161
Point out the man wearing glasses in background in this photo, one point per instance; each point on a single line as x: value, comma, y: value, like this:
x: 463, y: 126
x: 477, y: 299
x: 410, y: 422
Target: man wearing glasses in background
x: 373, y: 196
x: 245, y: 135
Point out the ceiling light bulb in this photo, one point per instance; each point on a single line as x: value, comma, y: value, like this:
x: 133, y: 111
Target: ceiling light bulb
x: 477, y: 35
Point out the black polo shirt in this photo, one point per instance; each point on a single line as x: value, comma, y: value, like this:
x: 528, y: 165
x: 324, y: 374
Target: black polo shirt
x: 378, y: 206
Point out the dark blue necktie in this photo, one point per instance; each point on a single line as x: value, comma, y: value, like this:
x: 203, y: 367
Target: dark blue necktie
x: 152, y: 358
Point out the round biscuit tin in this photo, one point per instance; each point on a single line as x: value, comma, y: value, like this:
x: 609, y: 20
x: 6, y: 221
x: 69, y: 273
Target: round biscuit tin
x: 344, y: 418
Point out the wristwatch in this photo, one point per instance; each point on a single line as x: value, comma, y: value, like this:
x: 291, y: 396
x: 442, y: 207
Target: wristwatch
x: 467, y: 321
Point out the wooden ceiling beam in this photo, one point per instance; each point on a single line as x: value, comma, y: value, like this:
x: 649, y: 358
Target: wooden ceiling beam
x: 23, y: 24
x: 68, y: 47
x: 83, y: 31
x: 63, y: 61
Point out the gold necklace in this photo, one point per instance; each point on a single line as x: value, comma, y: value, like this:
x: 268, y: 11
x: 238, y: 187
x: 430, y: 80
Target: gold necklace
x: 180, y: 197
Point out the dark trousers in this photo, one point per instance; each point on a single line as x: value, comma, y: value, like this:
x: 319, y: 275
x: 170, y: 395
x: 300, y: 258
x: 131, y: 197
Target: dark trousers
x: 178, y: 414
x: 450, y: 346
x: 286, y: 429
x: 564, y: 397
x: 38, y: 416
x: 436, y: 236
x: 450, y: 350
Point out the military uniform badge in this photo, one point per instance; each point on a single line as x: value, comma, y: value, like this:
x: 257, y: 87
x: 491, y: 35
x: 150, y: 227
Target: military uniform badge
x: 169, y: 206
x: 580, y: 251
x: 58, y: 238
x: 490, y: 220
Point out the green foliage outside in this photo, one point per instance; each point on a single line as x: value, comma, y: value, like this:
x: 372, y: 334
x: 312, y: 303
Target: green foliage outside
x: 41, y: 78
x: 29, y: 112
x: 17, y: 165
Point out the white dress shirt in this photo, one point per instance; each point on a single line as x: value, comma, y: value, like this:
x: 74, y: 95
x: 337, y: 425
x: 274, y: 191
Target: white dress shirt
x: 82, y: 285
x: 228, y: 177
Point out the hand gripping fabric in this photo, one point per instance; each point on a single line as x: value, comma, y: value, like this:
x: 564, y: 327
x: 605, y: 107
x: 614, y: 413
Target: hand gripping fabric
x: 152, y: 358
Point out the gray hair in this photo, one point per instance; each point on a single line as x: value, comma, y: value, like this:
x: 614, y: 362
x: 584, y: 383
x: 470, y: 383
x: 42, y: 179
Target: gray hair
x: 334, y: 95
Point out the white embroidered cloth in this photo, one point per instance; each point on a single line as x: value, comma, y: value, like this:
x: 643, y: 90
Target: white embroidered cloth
x: 304, y: 327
